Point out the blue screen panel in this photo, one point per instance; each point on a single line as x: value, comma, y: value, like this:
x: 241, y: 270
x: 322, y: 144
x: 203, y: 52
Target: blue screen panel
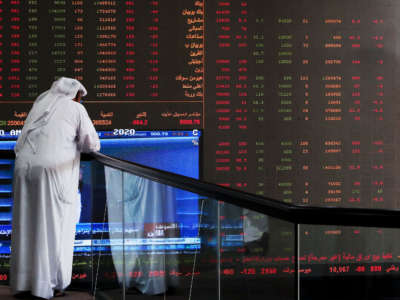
x: 173, y: 151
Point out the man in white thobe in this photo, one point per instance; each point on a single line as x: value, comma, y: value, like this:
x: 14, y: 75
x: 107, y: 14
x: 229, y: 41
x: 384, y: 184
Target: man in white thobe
x: 45, y: 189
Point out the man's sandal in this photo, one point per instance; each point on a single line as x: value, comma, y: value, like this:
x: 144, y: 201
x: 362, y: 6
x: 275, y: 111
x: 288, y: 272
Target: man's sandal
x: 59, y: 293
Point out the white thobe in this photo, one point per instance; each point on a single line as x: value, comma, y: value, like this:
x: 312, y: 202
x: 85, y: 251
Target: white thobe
x: 45, y: 190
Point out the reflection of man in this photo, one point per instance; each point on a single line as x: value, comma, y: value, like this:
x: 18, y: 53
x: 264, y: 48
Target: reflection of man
x: 45, y: 189
x: 255, y: 232
x: 139, y: 205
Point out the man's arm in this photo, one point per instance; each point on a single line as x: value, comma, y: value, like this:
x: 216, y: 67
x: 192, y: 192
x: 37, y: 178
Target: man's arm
x: 87, y: 137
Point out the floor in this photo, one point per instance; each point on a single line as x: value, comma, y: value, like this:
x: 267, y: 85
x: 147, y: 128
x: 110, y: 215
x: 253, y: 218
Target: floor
x: 5, y: 294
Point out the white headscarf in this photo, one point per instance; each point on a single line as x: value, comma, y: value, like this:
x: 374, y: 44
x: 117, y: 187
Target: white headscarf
x: 63, y: 89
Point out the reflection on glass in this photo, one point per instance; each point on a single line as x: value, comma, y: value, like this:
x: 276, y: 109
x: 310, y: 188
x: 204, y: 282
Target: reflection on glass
x: 149, y: 214
x: 160, y: 240
x: 255, y: 232
x: 255, y: 261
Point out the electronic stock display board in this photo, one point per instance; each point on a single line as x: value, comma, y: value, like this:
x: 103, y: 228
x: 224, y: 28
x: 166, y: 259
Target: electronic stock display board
x: 298, y: 100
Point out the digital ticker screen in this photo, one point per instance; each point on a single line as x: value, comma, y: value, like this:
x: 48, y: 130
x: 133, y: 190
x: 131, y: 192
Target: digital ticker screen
x: 297, y: 100
x: 157, y: 149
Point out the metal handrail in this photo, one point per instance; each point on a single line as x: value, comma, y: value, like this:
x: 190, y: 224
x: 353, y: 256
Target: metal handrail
x: 298, y: 214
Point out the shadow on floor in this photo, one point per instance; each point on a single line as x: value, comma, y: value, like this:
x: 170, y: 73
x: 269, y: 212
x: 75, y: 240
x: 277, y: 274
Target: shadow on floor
x: 5, y: 294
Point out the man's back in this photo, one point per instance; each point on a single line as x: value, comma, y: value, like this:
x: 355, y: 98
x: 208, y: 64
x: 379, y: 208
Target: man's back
x: 57, y: 141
